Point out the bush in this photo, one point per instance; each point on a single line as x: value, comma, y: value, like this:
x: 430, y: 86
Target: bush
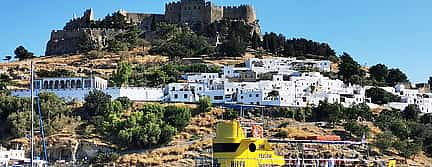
x: 407, y: 149
x: 152, y: 125
x: 15, y: 115
x: 104, y: 157
x: 181, y: 43
x: 325, y: 111
x: 204, y: 104
x: 55, y: 73
x: 230, y: 114
x: 356, y: 129
x: 125, y: 102
x: 178, y: 117
x: 282, y: 134
x: 384, y: 140
x: 121, y: 76
x: 97, y: 103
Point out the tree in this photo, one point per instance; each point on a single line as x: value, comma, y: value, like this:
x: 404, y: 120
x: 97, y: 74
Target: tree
x: 411, y: 112
x: 22, y: 53
x: 327, y: 112
x: 358, y: 111
x: 85, y: 44
x: 356, y: 129
x: 55, y: 73
x: 130, y: 37
x: 204, y: 104
x: 115, y: 45
x: 167, y: 132
x: 155, y: 77
x: 178, y: 117
x: 149, y: 126
x: 15, y: 115
x: 384, y: 140
x: 142, y: 130
x: 125, y: 102
x: 176, y: 43
x: 379, y: 72
x: 426, y: 119
x: 7, y: 58
x: 116, y: 21
x: 122, y: 74
x: 380, y: 96
x: 256, y: 41
x: 396, y: 76
x: 97, y: 103
x: 233, y: 46
x: 349, y: 68
x: 430, y: 83
x: 407, y: 148
x: 157, y: 109
x: 386, y: 118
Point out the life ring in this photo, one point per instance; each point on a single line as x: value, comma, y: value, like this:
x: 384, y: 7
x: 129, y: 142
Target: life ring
x: 257, y: 131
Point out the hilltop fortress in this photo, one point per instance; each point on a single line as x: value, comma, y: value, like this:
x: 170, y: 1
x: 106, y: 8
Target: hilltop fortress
x: 196, y: 14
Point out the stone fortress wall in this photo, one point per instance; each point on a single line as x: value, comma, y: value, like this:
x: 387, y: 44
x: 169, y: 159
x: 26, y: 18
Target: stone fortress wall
x: 69, y: 41
x: 196, y: 14
x: 242, y: 12
x: 202, y: 12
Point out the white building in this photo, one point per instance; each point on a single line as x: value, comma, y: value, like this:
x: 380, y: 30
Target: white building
x: 412, y: 96
x: 8, y: 156
x: 78, y: 88
x: 286, y: 65
x: 296, y: 91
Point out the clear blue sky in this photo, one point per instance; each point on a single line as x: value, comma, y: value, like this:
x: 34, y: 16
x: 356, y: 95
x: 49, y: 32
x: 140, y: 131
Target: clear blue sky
x: 394, y: 32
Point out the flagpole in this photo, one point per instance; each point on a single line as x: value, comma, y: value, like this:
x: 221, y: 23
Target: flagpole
x: 32, y: 112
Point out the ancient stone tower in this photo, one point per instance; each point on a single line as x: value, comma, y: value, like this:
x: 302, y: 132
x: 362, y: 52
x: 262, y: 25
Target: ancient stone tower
x: 199, y: 13
x: 85, y: 21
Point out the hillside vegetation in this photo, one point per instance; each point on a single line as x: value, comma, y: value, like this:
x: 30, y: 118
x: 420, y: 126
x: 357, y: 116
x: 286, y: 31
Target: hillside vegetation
x: 168, y: 134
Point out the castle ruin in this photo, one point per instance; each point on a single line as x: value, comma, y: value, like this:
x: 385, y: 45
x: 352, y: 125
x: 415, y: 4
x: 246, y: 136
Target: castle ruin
x: 196, y: 14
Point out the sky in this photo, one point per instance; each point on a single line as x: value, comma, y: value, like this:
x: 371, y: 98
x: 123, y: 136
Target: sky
x: 397, y: 33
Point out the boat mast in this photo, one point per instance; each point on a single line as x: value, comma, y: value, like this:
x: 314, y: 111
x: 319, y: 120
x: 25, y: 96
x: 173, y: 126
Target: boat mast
x: 32, y: 112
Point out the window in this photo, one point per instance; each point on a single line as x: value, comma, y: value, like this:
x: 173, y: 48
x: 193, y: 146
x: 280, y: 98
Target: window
x: 173, y: 89
x: 175, y: 96
x: 250, y: 95
x: 225, y: 147
x: 257, y: 95
x: 241, y: 97
x: 87, y: 83
x: 218, y: 97
x: 185, y: 96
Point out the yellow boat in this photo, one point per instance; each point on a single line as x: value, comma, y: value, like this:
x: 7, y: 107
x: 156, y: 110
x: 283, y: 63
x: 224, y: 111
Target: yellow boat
x: 231, y: 148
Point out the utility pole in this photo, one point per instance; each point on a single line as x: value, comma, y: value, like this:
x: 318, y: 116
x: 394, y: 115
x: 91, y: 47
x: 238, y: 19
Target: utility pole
x: 32, y: 113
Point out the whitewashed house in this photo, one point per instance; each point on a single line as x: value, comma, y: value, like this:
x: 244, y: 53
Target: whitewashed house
x: 78, y: 88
